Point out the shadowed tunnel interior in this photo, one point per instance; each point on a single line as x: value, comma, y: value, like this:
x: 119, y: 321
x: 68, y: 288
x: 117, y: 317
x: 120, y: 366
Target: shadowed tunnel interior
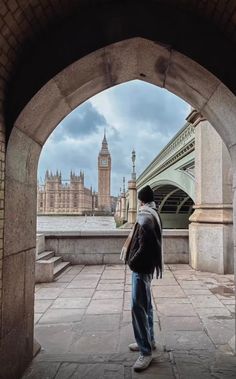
x: 175, y: 206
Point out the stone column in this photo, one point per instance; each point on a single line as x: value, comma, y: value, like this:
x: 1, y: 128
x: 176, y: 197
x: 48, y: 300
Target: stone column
x: 123, y: 203
x: 132, y: 213
x: 211, y: 228
x: 232, y: 342
x: 123, y: 207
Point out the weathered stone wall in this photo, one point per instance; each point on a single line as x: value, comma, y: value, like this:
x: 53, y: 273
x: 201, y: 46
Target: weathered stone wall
x: 104, y: 248
x: 2, y: 174
x: 24, y: 23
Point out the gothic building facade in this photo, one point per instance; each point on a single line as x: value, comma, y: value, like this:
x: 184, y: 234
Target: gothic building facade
x: 57, y: 196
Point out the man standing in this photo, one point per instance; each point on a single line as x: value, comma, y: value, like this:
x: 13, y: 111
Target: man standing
x: 144, y: 255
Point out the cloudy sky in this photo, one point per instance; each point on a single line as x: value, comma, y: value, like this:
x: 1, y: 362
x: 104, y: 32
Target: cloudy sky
x: 136, y: 115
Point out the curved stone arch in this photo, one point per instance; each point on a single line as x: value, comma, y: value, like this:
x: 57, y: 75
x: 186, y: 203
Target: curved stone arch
x: 170, y: 200
x: 77, y: 83
x: 90, y: 75
x: 189, y: 190
x: 109, y: 66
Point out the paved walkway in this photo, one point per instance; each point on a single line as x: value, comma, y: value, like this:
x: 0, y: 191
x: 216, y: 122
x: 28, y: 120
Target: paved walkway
x: 84, y: 326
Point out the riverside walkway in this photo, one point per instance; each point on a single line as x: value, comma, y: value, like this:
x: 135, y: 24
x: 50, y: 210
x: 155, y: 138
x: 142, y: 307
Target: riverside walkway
x: 83, y: 323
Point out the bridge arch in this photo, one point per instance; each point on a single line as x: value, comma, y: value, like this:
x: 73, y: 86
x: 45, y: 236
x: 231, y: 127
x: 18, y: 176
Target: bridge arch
x: 174, y: 205
x: 56, y: 79
x: 186, y: 184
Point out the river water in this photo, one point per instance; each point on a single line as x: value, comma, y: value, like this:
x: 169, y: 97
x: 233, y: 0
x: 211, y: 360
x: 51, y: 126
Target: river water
x: 74, y: 223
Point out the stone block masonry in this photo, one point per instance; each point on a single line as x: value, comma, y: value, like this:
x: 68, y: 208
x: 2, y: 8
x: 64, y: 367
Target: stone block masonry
x: 2, y: 173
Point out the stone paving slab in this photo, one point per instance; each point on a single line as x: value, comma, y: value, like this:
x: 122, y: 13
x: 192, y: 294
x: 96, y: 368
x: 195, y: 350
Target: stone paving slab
x: 42, y: 370
x: 189, y: 340
x: 168, y: 291
x: 195, y: 292
x: 94, y: 323
x: 83, y: 283
x: 48, y: 294
x: 53, y: 316
x: 220, y: 329
x: 175, y: 309
x: 92, y: 371
x: 70, y: 303
x: 165, y: 282
x: 114, y: 280
x: 191, y: 284
x: 55, y: 284
x: 184, y: 323
x: 76, y: 269
x: 77, y: 292
x: 65, y: 278
x: 228, y: 301
x: 113, y: 274
x: 110, y: 286
x: 37, y: 317
x: 57, y: 338
x: 40, y: 306
x: 108, y: 295
x: 93, y: 269
x: 209, y: 312
x: 85, y: 332
x: 201, y: 301
x: 93, y: 342
x: 172, y: 300
x: 105, y: 306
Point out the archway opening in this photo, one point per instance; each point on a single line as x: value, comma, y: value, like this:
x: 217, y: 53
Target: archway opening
x: 29, y: 133
x: 175, y: 206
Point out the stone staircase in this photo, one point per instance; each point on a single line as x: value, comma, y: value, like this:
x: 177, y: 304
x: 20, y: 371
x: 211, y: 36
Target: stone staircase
x: 47, y: 265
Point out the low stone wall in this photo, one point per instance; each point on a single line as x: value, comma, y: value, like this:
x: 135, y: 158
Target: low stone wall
x: 103, y: 247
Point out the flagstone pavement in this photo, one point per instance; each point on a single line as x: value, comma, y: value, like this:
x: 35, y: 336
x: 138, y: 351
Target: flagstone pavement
x: 83, y: 323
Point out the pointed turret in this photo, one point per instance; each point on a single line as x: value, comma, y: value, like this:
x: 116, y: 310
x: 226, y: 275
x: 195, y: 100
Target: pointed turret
x: 104, y: 149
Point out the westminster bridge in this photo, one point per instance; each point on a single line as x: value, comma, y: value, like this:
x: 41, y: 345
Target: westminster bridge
x: 192, y: 182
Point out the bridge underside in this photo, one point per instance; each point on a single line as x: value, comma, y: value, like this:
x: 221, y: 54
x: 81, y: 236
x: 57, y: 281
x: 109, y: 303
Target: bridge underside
x: 175, y: 206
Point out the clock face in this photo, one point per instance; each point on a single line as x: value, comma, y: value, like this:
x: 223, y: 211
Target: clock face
x: 104, y: 162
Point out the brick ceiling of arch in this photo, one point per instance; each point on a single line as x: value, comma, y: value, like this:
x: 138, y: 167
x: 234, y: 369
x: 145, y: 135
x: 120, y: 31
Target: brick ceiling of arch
x: 38, y: 38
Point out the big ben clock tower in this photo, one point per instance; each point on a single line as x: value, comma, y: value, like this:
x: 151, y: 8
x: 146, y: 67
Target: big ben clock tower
x: 104, y: 177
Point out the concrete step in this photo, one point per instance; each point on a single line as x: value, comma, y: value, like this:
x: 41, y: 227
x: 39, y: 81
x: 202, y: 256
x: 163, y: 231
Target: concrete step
x: 40, y: 244
x: 45, y: 255
x: 55, y: 260
x: 59, y: 268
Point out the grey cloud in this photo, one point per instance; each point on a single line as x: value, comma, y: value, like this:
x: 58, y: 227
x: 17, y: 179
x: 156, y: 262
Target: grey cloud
x: 136, y: 115
x: 83, y: 121
x: 140, y: 102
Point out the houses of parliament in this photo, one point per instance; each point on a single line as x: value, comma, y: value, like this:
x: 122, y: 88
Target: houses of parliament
x: 58, y: 197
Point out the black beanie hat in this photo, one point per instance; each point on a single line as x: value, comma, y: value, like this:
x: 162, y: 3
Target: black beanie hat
x: 146, y: 194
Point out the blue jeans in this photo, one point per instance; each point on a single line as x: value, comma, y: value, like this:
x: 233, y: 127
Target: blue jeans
x: 142, y: 312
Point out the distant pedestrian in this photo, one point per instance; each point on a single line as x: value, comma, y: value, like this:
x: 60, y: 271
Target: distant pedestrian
x: 143, y: 253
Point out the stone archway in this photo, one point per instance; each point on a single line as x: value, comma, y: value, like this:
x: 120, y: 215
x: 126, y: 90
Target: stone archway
x: 114, y: 64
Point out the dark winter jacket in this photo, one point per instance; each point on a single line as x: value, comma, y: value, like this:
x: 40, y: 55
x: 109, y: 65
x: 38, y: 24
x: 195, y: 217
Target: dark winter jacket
x: 145, y: 250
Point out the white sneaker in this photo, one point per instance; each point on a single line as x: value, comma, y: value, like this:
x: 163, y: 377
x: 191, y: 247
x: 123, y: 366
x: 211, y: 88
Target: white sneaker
x: 134, y: 346
x: 142, y: 362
